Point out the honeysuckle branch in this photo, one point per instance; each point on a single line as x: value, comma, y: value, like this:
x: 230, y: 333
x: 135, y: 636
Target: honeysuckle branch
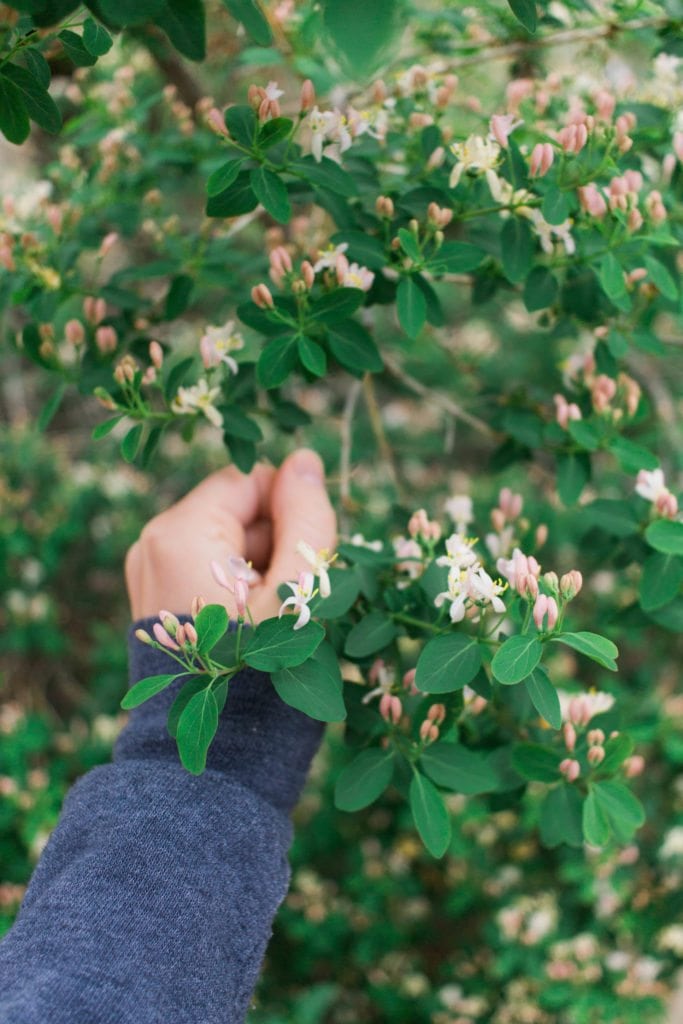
x: 346, y: 444
x: 385, y: 448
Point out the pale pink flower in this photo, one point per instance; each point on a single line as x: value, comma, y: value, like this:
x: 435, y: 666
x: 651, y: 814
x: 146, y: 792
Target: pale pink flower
x: 596, y: 755
x: 545, y: 606
x: 320, y: 562
x: 408, y: 555
x: 592, y: 201
x: 302, y: 592
x: 517, y: 91
x: 390, y: 708
x: 565, y: 411
x: 517, y: 569
x: 280, y: 264
x: 383, y: 676
x: 419, y: 525
x: 541, y: 159
x: 461, y: 511
x: 243, y: 575
x: 459, y: 554
x: 634, y: 766
x: 328, y: 258
x: 501, y: 126
x: 307, y: 96
x: 198, y: 398
x: 573, y: 137
x: 570, y: 768
x: 352, y: 275
x: 217, y: 343
x: 569, y: 734
x: 580, y: 709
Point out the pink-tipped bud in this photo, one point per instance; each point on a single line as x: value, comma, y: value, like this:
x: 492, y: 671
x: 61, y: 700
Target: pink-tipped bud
x: 439, y: 216
x: 571, y: 584
x: 540, y: 610
x: 409, y: 681
x: 570, y: 768
x: 219, y: 575
x: 190, y: 634
x: 551, y: 581
x: 541, y: 159
x: 307, y: 100
x: 180, y: 635
x: 108, y: 243
x: 569, y: 733
x: 530, y: 588
x: 667, y: 505
x: 143, y: 636
x: 169, y: 621
x: 216, y: 122
x: 678, y: 145
x: 592, y: 201
x: 163, y: 638
x: 596, y: 755
x: 74, y: 332
x: 197, y: 604
x: 94, y: 309
x: 308, y: 274
x: 541, y: 535
x: 106, y: 340
x: 156, y: 354
x: 579, y: 711
x: 241, y: 591
x: 595, y: 737
x: 498, y: 519
x: 634, y: 766
x: 390, y: 708
x: 429, y: 732
x: 260, y: 295
x: 437, y: 713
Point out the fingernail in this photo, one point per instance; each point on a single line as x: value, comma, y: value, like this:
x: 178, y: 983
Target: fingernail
x: 308, y: 466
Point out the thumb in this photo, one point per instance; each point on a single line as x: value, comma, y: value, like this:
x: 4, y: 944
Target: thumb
x: 300, y: 510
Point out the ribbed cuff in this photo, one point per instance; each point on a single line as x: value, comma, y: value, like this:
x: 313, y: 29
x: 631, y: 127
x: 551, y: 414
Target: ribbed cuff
x: 261, y: 742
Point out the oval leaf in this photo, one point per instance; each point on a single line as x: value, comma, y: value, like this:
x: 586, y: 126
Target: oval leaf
x: 447, y: 663
x: 364, y: 779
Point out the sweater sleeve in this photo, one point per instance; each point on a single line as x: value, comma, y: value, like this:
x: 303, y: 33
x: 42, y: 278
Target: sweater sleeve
x: 154, y: 898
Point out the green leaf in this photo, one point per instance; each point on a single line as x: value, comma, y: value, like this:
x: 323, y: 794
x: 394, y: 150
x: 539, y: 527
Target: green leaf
x: 314, y: 687
x: 364, y: 779
x: 411, y: 306
x: 535, y: 762
x: 75, y: 49
x: 345, y: 589
x: 361, y: 34
x: 275, y: 644
x: 617, y: 749
x: 276, y: 361
x: 661, y: 580
x: 665, y: 535
x: 237, y: 424
x: 14, y: 122
x: 179, y: 296
x: 274, y: 131
x: 326, y: 174
x: 517, y: 248
x: 595, y: 824
x: 409, y: 244
x: 573, y: 473
x: 584, y: 434
x: 594, y: 646
x: 49, y: 410
x: 235, y: 200
x: 544, y: 697
x: 242, y: 124
x: 145, y: 689
x: 455, y: 767
x: 183, y: 22
x: 611, y: 276
x: 661, y: 278
x: 447, y: 663
x: 337, y: 305
x: 525, y: 12
x: 131, y: 442
x: 130, y: 12
x: 223, y: 177
x: 38, y: 66
x: 623, y: 810
x: 632, y: 457
x: 615, y: 517
x: 211, y: 624
x: 312, y: 356
x: 271, y: 193
x: 96, y: 39
x: 540, y: 289
x: 187, y: 691
x: 364, y: 249
x: 429, y: 812
x: 561, y: 817
x: 353, y: 348
x: 196, y: 729
x: 555, y: 207
x: 516, y: 659
x: 373, y: 633
x: 102, y: 429
x: 455, y: 258
x: 40, y: 106
x: 250, y: 14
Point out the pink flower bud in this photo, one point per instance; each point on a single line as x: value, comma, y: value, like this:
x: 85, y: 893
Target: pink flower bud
x: 439, y: 216
x: 169, y: 621
x: 94, y: 309
x: 570, y: 584
x: 498, y: 519
x: 409, y: 682
x: 605, y: 103
x: 143, y: 636
x: 106, y: 339
x: 435, y: 160
x: 541, y: 159
x: 376, y: 670
x: 531, y: 587
x: 390, y: 708
x: 596, y: 738
x: 569, y: 733
x: 579, y: 711
x: 163, y: 638
x: 180, y: 636
x: 551, y: 581
x: 74, y: 332
x: 592, y: 201
x: 570, y: 768
x: 216, y: 122
x: 678, y: 145
x: 477, y: 705
x: 634, y: 766
x: 437, y: 713
x: 596, y: 755
x: 197, y: 604
x: 666, y: 505
x: 308, y: 274
x: 429, y: 732
x: 241, y: 591
x: 190, y: 634
x: 156, y: 354
x: 307, y: 95
x: 540, y: 610
x: 260, y: 295
x: 384, y: 207
x: 108, y: 243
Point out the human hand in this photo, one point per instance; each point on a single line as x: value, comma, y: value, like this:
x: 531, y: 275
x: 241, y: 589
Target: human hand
x: 260, y: 517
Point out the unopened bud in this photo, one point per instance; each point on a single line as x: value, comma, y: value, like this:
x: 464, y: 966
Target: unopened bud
x: 74, y: 332
x: 596, y: 755
x: 143, y: 636
x: 390, y: 708
x: 569, y: 733
x: 596, y: 738
x: 190, y: 634
x: 106, y: 339
x: 570, y: 768
x: 307, y: 95
x: 197, y: 604
x: 384, y: 207
x: 634, y: 765
x: 260, y: 296
x: 156, y: 354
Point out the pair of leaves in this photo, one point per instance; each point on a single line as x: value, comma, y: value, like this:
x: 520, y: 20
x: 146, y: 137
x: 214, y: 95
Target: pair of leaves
x: 24, y: 98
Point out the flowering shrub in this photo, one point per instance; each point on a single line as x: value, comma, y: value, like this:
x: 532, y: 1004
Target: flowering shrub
x: 448, y: 254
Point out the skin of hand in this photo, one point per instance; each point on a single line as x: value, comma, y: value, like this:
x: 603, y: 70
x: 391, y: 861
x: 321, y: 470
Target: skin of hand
x: 260, y: 516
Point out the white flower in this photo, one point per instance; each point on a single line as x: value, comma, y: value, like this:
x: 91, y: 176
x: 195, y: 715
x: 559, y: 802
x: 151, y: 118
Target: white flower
x: 499, y: 544
x: 459, y: 508
x: 474, y: 156
x: 671, y: 938
x: 328, y: 126
x: 327, y: 258
x: 320, y: 561
x: 272, y: 92
x: 485, y: 590
x: 459, y: 553
x: 409, y: 557
x: 198, y: 398
x: 673, y: 843
x: 456, y: 594
x: 591, y: 704
x: 549, y: 233
x: 383, y: 676
x: 651, y: 484
x: 217, y: 342
x: 302, y: 593
x: 359, y: 541
x: 355, y: 276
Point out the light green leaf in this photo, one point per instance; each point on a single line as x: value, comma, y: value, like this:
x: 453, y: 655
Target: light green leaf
x: 544, y: 697
x: 455, y: 767
x: 594, y: 646
x: 665, y: 535
x: 623, y: 810
x: 595, y: 824
x: 561, y: 817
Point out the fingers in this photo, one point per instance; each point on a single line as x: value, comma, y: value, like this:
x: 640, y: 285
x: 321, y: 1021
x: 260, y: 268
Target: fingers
x: 300, y: 510
x: 244, y: 496
x: 259, y: 544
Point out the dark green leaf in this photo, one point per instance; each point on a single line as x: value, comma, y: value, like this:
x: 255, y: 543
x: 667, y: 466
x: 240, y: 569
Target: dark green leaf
x: 373, y: 633
x: 544, y: 697
x: 623, y: 810
x: 312, y: 356
x: 516, y: 659
x: 131, y: 442
x: 354, y: 348
x: 632, y: 457
x: 364, y: 249
x: 40, y: 106
x: 613, y: 282
x: 337, y: 305
x: 595, y: 824
x: 525, y: 12
x: 447, y: 663
x: 223, y: 177
x: 237, y: 424
x: 361, y: 34
x: 38, y: 66
x: 250, y: 14
x: 276, y: 361
x: 345, y: 587
x: 555, y: 207
x: 275, y: 644
x: 411, y: 306
x: 594, y: 646
x: 661, y: 580
x: 665, y: 535
x: 239, y: 198
x: 102, y: 429
x: 130, y: 12
x: 274, y: 131
x: 535, y: 762
x: 326, y: 174
x: 561, y: 817
x: 430, y: 815
x: 145, y: 689
x: 540, y: 289
x: 75, y: 49
x: 96, y: 38
x: 183, y: 22
x: 455, y: 258
x: 14, y: 122
x: 573, y: 473
x: 615, y: 517
x: 314, y: 687
x: 455, y: 767
x: 211, y: 624
x: 179, y: 296
x: 517, y: 247
x: 271, y: 193
x: 196, y: 729
x: 661, y: 278
x: 364, y: 779
x: 50, y: 408
x: 192, y: 686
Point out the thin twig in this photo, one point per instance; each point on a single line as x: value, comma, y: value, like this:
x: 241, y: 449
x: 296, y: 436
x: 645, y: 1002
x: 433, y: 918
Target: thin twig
x: 446, y: 403
x: 346, y: 433
x: 378, y: 430
x: 498, y: 51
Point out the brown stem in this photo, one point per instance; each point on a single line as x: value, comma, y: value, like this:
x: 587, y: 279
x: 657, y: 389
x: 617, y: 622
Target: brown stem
x: 378, y: 430
x: 347, y: 502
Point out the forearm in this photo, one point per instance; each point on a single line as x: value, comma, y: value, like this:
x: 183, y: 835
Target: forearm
x: 154, y: 899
